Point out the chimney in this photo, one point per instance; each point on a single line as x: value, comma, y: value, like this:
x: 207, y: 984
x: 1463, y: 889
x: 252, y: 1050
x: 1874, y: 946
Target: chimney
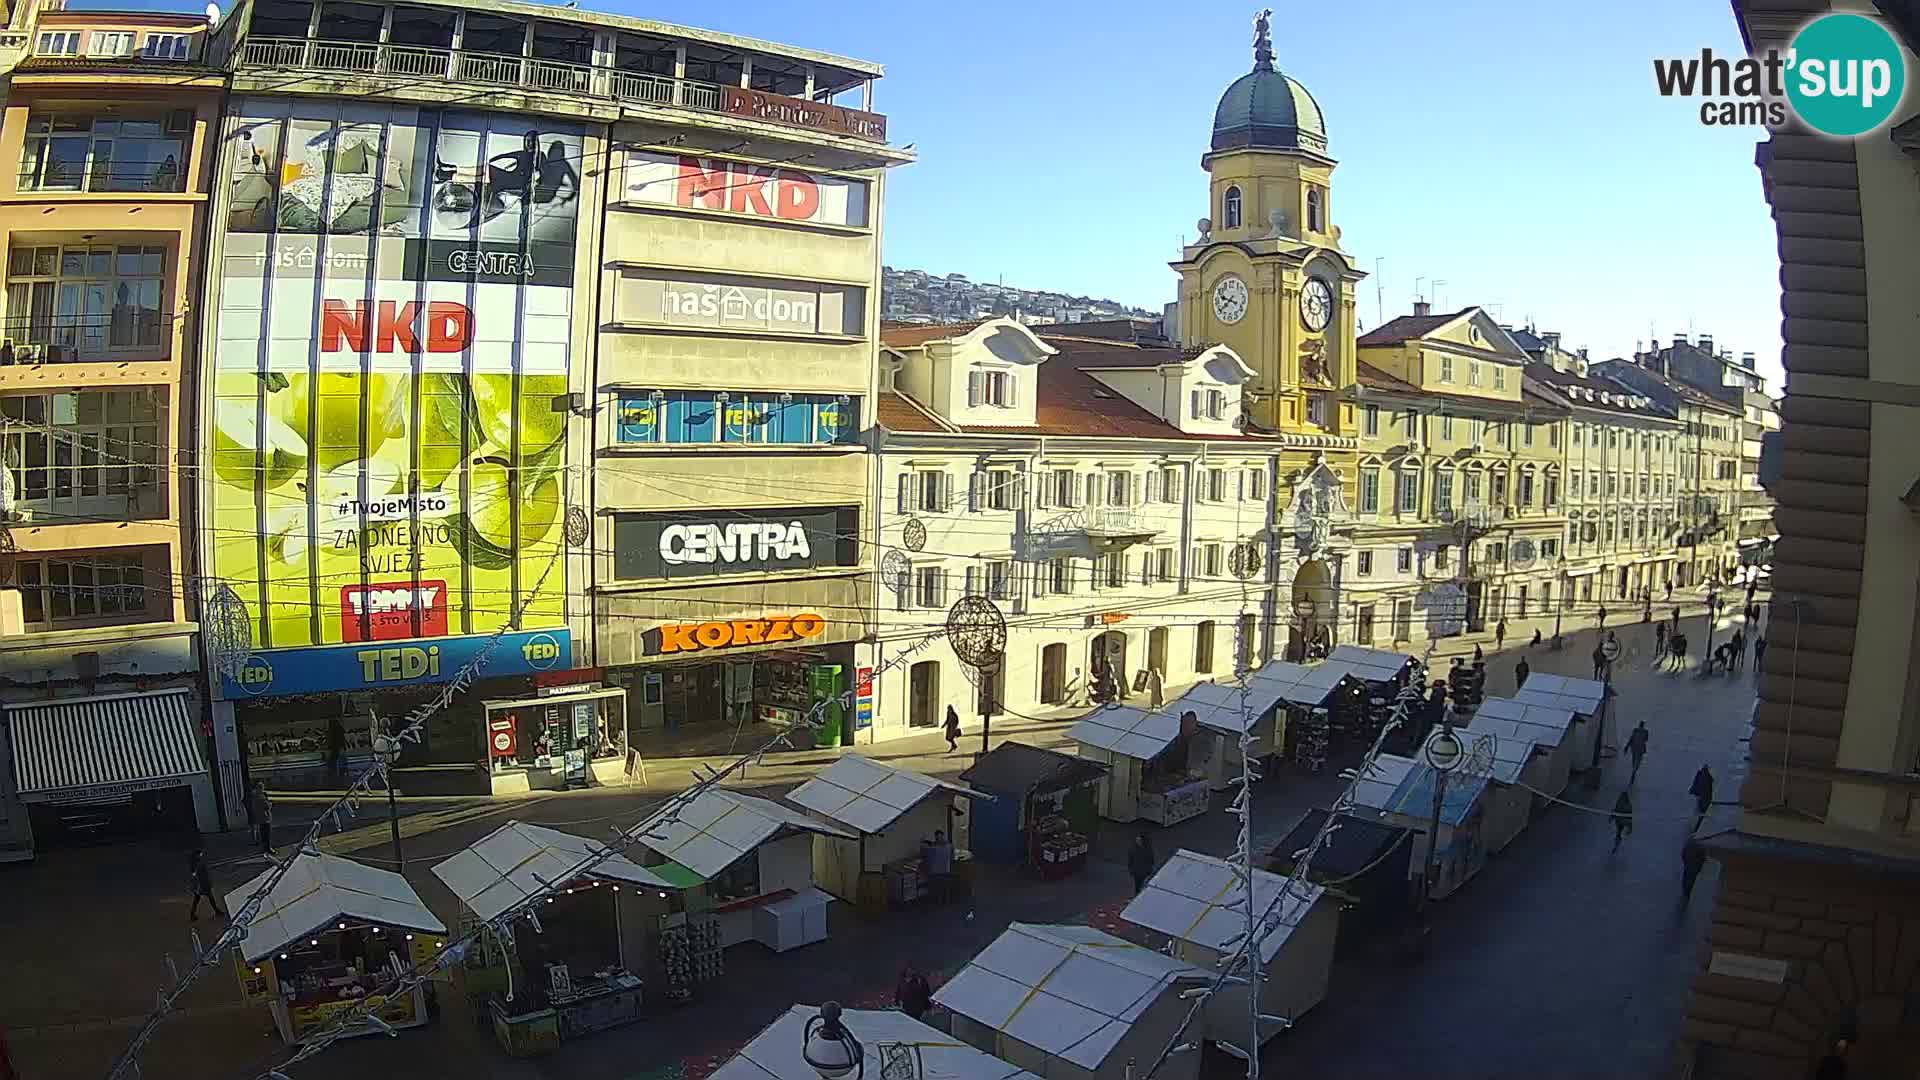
x: 1679, y: 339
x: 1746, y: 360
x: 1706, y: 344
x: 1421, y: 307
x: 1552, y: 339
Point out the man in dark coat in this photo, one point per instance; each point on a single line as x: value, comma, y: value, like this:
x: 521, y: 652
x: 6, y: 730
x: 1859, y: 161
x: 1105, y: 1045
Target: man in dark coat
x: 1140, y: 860
x: 1622, y: 818
x: 1693, y: 858
x: 1520, y: 673
x: 1702, y: 791
x: 202, y: 883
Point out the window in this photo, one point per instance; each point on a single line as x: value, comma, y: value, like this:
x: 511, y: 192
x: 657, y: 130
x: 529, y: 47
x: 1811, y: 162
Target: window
x: 1576, y: 434
x: 1216, y: 404
x: 999, y: 580
x: 1593, y: 436
x: 82, y: 152
x: 754, y: 418
x: 1525, y: 490
x: 1097, y: 572
x: 1215, y: 560
x: 926, y: 491
x: 1163, y: 564
x: 1496, y: 553
x: 1410, y: 423
x: 1550, y: 493
x: 86, y: 303
x: 1499, y: 377
x: 110, y: 43
x: 1230, y: 209
x: 1064, y: 486
x: 1370, y: 420
x: 1442, y: 556
x: 1442, y: 491
x: 1644, y: 481
x: 930, y: 587
x: 1446, y: 369
x: 1060, y: 576
x: 92, y: 586
x: 1317, y: 409
x: 1216, y: 485
x: 996, y: 388
x: 1369, y: 491
x: 1593, y: 484
x: 1002, y: 489
x: 1549, y: 548
x: 1117, y: 570
x: 1470, y: 485
x: 1473, y: 373
x: 1446, y: 428
x: 1256, y: 484
x: 1613, y: 484
x: 1170, y: 485
x: 88, y: 454
x: 1316, y: 211
x: 1363, y: 564
x: 1120, y: 489
x: 1497, y: 488
x: 1526, y: 433
x: 58, y: 43
x: 1203, y: 647
x: 165, y: 47
x: 1248, y: 640
x: 1553, y: 435
x: 1403, y: 560
x: 1409, y: 497
x: 1613, y: 439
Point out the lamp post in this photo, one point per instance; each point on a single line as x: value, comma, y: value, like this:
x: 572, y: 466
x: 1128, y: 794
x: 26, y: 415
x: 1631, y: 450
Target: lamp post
x: 1713, y: 610
x: 1443, y: 753
x: 1560, y: 608
x: 832, y: 1051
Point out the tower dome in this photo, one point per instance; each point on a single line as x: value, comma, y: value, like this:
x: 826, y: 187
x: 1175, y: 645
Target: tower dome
x: 1267, y: 109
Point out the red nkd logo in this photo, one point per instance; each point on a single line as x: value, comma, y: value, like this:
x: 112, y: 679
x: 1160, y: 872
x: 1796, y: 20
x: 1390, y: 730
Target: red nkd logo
x: 746, y: 189
x: 441, y: 325
x: 386, y: 612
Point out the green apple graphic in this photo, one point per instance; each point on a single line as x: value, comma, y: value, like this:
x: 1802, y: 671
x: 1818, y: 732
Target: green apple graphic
x: 236, y: 439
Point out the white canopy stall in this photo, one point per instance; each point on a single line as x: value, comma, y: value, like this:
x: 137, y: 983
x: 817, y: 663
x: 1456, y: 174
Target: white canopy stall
x: 1150, y: 775
x: 1193, y: 898
x: 1072, y: 1003
x: 887, y: 1039
x: 889, y: 813
x: 1226, y: 711
x: 1514, y: 763
x: 1549, y: 726
x: 1462, y: 851
x: 1585, y: 698
x: 1371, y: 665
x: 754, y: 855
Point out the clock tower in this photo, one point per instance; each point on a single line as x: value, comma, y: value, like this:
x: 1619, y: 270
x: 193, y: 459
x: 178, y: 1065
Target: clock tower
x: 1267, y: 277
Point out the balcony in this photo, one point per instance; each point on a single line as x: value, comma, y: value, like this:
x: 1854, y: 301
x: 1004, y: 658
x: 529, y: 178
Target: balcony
x: 469, y: 68
x: 147, y: 178
x: 124, y: 335
x: 1116, y: 526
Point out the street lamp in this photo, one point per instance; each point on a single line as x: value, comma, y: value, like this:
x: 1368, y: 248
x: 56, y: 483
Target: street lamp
x: 832, y: 1051
x: 1443, y: 753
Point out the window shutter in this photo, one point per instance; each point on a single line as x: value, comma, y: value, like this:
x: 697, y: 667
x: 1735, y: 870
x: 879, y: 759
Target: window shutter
x: 972, y: 582
x: 946, y: 588
x: 906, y: 493
x: 1242, y: 485
x: 1013, y: 390
x: 1040, y: 493
x: 944, y: 481
x: 1153, y: 486
x: 1079, y: 497
x: 1173, y: 486
x: 1095, y: 492
x: 1133, y: 489
x: 906, y: 591
x: 975, y: 382
x: 1196, y: 403
x: 975, y: 480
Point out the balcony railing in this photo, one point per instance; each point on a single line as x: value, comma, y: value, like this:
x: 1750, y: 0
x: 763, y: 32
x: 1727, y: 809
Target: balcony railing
x: 459, y: 65
x: 51, y: 176
x: 126, y: 334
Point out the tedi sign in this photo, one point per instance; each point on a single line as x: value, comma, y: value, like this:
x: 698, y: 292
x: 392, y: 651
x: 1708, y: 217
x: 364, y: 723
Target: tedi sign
x: 1842, y: 76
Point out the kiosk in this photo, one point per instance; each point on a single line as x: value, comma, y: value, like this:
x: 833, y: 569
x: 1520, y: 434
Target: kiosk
x: 892, y: 1044
x: 1408, y: 802
x: 1586, y: 699
x: 887, y: 816
x: 330, y: 935
x: 1364, y: 863
x: 1149, y: 754
x: 1045, y: 808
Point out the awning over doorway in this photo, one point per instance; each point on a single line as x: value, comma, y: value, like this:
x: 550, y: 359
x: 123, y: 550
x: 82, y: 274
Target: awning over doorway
x: 83, y: 749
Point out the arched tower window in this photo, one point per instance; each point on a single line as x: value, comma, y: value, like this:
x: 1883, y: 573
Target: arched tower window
x: 1230, y: 209
x: 1316, y: 211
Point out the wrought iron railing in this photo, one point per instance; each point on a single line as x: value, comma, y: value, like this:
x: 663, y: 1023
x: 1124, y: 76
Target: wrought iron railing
x: 53, y: 176
x: 124, y: 334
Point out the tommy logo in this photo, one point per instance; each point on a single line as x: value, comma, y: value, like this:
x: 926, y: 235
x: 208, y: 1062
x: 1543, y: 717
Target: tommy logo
x: 386, y: 612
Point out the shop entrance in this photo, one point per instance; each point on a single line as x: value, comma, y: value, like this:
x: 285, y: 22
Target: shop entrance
x: 1108, y: 652
x: 1053, y: 674
x: 1157, y: 649
x: 923, y: 694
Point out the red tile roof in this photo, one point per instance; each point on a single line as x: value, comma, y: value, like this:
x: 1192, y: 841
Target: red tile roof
x: 1407, y: 327
x: 897, y: 412
x: 908, y: 335
x: 1375, y: 379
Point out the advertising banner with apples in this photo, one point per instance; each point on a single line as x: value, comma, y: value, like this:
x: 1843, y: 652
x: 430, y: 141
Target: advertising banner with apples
x: 390, y: 370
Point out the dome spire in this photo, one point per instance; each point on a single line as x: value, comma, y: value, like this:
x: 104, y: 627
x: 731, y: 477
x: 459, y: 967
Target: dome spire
x: 1262, y: 41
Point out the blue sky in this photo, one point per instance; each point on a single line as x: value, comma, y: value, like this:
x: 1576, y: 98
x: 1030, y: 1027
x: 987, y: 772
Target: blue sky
x: 1516, y: 150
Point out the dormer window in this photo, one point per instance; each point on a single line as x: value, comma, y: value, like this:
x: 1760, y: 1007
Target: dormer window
x: 1316, y: 211
x: 1209, y: 405
x: 1230, y: 209
x: 996, y: 388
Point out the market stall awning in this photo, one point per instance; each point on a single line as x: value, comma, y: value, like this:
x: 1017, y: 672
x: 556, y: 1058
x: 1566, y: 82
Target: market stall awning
x: 1414, y: 797
x: 867, y: 796
x: 1128, y: 731
x: 1071, y: 992
x: 718, y: 828
x: 1355, y: 846
x: 1302, y: 684
x: 1510, y: 745
x: 1373, y: 665
x: 105, y: 747
x: 1015, y: 768
x: 1374, y: 790
x: 1224, y: 708
x: 1553, y: 721
x: 318, y: 891
x: 774, y: 1054
x: 1581, y: 696
x: 517, y: 861
x: 1198, y: 898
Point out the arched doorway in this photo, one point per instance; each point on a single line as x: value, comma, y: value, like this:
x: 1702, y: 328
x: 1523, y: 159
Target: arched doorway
x: 1313, y: 611
x: 1108, y: 652
x: 1053, y: 674
x: 923, y: 694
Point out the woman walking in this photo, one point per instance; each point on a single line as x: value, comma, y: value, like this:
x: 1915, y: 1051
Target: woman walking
x: 1622, y: 818
x: 953, y: 730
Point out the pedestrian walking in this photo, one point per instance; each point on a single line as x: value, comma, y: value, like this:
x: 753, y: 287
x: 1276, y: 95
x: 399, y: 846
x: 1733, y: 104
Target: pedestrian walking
x: 1536, y: 637
x: 1599, y: 661
x: 1679, y: 651
x: 1660, y: 643
x: 1669, y: 588
x: 336, y: 750
x: 912, y: 993
x: 1499, y: 635
x: 1702, y: 792
x: 1478, y: 656
x: 1739, y: 649
x: 202, y: 882
x: 1693, y: 858
x: 1520, y: 673
x: 1676, y: 618
x: 262, y: 817
x: 953, y: 730
x: 1759, y: 651
x: 1603, y: 616
x: 1140, y: 860
x: 1637, y: 746
x: 1622, y: 818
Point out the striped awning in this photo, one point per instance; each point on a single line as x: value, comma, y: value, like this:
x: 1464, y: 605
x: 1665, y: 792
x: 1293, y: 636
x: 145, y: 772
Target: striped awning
x: 83, y: 749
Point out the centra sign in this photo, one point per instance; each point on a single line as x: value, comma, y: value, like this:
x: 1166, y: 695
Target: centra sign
x: 749, y: 542
x: 698, y: 637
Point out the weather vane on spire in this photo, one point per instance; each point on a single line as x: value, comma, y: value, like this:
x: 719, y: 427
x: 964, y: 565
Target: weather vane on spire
x: 1262, y: 41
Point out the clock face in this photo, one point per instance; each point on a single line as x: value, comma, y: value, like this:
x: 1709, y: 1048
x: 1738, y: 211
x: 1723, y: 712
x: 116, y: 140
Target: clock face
x: 1230, y: 299
x: 1316, y: 304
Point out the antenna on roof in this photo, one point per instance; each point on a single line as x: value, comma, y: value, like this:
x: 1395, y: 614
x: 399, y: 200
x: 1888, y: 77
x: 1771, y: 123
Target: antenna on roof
x: 1379, y: 294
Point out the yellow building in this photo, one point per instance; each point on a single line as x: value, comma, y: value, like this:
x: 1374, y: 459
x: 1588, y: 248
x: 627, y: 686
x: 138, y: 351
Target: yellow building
x: 1459, y: 481
x: 110, y: 124
x: 1268, y: 279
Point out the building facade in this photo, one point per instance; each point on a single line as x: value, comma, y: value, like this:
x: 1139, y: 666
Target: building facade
x: 1460, y: 482
x: 1099, y: 494
x: 1814, y: 931
x: 461, y: 353
x: 113, y: 121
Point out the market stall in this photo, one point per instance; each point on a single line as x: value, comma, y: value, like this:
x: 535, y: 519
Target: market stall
x: 888, y: 1039
x: 1150, y: 757
x: 1044, y: 812
x: 609, y: 939
x: 894, y: 816
x: 1364, y: 862
x: 1586, y: 699
x: 1073, y: 1003
x: 1408, y: 802
x: 330, y: 936
x: 1381, y: 667
x: 1198, y: 901
x: 754, y: 859
x: 1226, y: 711
x: 564, y: 737
x: 1550, y: 727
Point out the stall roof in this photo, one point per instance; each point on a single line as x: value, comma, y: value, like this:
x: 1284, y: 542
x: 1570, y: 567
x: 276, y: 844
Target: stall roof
x: 509, y: 864
x: 1128, y: 731
x: 1375, y: 790
x: 319, y: 889
x: 1219, y: 706
x: 1581, y: 696
x: 1556, y: 718
x: 1414, y: 797
x: 1373, y: 665
x: 1017, y: 768
x: 1302, y: 684
x: 866, y: 795
x: 1197, y: 898
x: 774, y: 1054
x: 1070, y: 991
x: 1355, y: 846
x: 718, y: 828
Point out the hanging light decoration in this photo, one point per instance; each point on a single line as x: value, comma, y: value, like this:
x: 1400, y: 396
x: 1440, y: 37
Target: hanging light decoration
x: 229, y: 630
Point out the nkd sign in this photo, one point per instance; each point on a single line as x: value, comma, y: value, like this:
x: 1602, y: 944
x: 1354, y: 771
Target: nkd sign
x: 717, y: 185
x: 712, y: 542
